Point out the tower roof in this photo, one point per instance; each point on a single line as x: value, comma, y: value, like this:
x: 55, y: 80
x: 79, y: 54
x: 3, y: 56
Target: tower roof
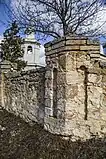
x: 31, y: 39
x: 31, y: 36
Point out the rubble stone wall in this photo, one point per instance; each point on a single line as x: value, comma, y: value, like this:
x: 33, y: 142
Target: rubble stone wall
x: 23, y: 94
x: 68, y: 97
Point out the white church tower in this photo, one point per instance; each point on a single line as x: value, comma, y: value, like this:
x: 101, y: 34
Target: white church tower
x: 31, y: 51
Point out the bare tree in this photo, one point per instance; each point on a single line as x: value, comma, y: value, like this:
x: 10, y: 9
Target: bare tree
x: 57, y: 18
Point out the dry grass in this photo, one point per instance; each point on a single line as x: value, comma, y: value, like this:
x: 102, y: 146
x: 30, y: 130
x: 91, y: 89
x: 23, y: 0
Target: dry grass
x: 18, y: 140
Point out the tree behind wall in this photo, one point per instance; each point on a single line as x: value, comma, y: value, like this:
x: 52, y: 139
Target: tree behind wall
x: 57, y: 18
x: 11, y: 46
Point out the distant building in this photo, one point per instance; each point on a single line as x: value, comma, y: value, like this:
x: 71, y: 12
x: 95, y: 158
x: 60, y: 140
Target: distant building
x: 31, y: 51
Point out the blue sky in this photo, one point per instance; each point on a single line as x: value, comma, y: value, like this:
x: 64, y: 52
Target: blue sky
x: 3, y: 18
x: 4, y: 24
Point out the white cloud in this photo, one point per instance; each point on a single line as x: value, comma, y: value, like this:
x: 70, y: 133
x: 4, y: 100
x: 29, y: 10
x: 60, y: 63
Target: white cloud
x: 42, y: 55
x: 101, y: 21
x: 42, y: 51
x: 24, y: 5
x: 42, y: 61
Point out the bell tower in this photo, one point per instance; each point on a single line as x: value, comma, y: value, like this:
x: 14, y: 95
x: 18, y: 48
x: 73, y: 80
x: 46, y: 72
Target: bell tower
x: 31, y: 51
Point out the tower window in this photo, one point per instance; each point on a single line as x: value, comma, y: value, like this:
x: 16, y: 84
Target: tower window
x: 29, y: 50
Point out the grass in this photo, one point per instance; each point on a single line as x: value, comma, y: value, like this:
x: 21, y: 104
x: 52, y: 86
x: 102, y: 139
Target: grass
x: 18, y: 140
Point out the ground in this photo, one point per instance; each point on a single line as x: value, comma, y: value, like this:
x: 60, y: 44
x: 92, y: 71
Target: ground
x: 18, y: 140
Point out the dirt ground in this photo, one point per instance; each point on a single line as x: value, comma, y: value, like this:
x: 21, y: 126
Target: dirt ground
x: 18, y: 140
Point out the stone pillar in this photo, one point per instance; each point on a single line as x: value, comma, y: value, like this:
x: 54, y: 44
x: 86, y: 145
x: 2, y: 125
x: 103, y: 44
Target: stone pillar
x: 55, y: 99
x: 5, y: 67
x: 80, y: 103
x: 49, y: 92
x: 82, y: 56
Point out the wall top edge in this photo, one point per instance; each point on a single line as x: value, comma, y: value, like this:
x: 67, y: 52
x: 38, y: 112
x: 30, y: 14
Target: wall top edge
x: 72, y: 37
x: 22, y: 73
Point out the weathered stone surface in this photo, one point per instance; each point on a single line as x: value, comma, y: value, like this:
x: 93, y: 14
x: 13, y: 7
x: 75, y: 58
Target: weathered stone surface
x: 69, y: 96
x: 73, y: 77
x: 62, y: 63
x: 71, y: 61
x: 24, y: 97
x: 92, y: 42
x: 75, y: 42
x: 72, y: 91
x: 89, y: 48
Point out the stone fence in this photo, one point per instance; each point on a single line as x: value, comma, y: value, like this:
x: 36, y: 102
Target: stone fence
x: 68, y: 97
x: 22, y: 93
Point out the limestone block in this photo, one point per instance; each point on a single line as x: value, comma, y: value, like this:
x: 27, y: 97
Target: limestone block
x: 94, y: 113
x: 61, y: 78
x: 95, y: 127
x: 48, y: 74
x: 94, y: 95
x: 48, y: 49
x: 71, y: 115
x: 71, y: 91
x: 81, y: 90
x: 82, y: 132
x: 70, y: 124
x: 62, y: 62
x: 103, y: 127
x: 71, y: 61
x: 48, y: 94
x: 94, y: 78
x: 93, y: 42
x: 57, y: 45
x: 95, y: 55
x: 72, y: 48
x: 103, y: 100
x: 48, y: 83
x: 89, y: 48
x: 93, y: 101
x: 87, y: 64
x: 76, y: 108
x: 61, y: 106
x: 75, y: 42
x: 54, y: 125
x: 72, y: 77
x: 61, y: 50
x: 75, y: 37
x: 48, y: 111
x: 61, y: 92
x: 104, y: 79
x: 48, y: 102
x: 82, y: 56
x: 60, y: 114
x: 41, y: 114
x: 82, y: 60
x: 103, y: 116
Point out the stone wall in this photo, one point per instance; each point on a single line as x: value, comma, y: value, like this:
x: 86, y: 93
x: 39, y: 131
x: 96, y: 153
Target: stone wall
x: 23, y: 94
x: 81, y: 87
x: 68, y: 97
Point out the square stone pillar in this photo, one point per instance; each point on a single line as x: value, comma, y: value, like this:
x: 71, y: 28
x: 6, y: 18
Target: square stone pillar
x: 74, y: 58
